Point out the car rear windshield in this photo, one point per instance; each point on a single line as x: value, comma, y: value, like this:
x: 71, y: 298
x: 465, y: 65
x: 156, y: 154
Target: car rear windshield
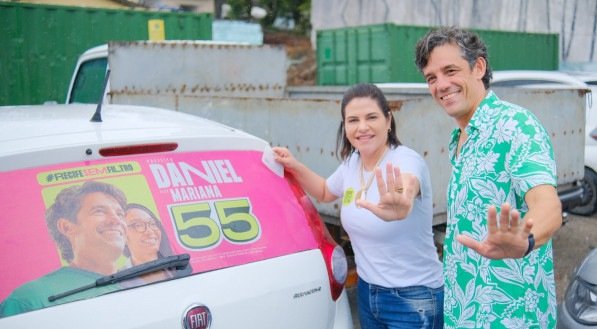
x: 66, y: 226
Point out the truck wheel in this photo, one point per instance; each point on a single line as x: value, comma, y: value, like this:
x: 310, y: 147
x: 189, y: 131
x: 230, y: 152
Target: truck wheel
x: 589, y: 199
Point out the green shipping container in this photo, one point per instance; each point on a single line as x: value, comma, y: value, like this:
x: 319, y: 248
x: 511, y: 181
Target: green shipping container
x: 385, y: 53
x: 42, y: 43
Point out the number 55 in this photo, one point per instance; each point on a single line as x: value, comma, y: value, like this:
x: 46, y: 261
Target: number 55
x: 196, y: 229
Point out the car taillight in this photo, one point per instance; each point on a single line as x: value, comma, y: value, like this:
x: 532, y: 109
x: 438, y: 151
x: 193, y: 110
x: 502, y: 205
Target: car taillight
x: 137, y: 149
x: 593, y: 134
x: 333, y: 254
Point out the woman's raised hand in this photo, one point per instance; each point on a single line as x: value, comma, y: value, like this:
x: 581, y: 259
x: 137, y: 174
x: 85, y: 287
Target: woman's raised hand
x: 396, y: 194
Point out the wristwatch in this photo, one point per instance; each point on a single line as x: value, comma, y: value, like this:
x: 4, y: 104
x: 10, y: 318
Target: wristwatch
x: 531, y: 244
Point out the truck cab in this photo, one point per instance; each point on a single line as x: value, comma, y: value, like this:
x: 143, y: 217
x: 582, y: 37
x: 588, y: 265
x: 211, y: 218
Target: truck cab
x: 86, y: 82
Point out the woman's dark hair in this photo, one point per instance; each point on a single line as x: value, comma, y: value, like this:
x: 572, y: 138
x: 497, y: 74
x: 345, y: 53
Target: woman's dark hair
x: 343, y: 147
x: 470, y: 44
x: 165, y: 249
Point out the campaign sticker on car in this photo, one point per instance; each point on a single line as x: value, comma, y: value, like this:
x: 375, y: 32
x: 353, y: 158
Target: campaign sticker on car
x: 69, y: 225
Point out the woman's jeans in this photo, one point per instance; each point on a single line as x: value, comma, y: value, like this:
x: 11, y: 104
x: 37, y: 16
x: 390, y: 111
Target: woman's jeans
x: 409, y: 307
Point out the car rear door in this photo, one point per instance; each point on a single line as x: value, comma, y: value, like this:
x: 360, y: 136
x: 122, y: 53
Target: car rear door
x: 254, y: 259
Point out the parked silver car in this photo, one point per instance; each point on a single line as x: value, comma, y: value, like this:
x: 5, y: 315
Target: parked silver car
x: 579, y: 308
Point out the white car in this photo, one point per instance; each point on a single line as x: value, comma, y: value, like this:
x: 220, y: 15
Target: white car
x: 136, y: 217
x: 534, y: 79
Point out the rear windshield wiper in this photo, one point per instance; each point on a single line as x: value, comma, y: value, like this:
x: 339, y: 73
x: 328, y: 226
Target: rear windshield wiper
x: 177, y: 261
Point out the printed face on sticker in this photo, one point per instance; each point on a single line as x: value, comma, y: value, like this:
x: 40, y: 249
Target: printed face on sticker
x: 143, y: 235
x: 98, y: 235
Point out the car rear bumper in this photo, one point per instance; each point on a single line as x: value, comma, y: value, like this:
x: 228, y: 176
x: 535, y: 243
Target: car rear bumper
x: 343, y: 315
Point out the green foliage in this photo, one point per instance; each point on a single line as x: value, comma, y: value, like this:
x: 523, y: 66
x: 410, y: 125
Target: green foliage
x: 297, y: 10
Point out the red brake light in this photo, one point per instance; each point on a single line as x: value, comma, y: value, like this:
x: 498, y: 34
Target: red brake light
x: 333, y: 254
x: 137, y: 149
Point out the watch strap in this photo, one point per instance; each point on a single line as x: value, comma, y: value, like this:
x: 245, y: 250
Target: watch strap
x: 531, y: 244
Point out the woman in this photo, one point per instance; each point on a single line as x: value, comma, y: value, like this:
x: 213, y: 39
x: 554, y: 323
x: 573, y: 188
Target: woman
x: 389, y: 223
x: 146, y: 239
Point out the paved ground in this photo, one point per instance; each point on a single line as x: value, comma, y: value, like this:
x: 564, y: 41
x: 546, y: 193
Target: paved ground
x: 571, y: 244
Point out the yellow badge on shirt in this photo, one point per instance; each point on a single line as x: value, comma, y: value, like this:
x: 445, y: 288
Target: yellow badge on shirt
x: 348, y: 196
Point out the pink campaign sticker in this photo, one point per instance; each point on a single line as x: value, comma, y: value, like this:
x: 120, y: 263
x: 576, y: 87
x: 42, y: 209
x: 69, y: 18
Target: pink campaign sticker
x: 222, y: 208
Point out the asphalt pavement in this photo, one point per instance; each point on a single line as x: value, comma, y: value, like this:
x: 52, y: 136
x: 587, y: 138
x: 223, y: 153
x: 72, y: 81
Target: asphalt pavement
x: 571, y: 243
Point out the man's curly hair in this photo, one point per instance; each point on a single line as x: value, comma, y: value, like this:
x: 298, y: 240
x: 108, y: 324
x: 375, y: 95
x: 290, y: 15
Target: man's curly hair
x: 470, y: 44
x: 68, y: 204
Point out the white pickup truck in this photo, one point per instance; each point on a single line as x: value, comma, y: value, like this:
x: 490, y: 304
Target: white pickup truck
x: 245, y: 87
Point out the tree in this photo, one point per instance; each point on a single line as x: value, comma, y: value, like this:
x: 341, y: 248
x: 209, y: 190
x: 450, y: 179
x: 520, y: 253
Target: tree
x: 296, y: 10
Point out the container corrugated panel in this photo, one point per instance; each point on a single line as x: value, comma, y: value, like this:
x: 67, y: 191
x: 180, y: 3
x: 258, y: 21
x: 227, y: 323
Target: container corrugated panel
x: 521, y: 51
x: 374, y: 53
x: 42, y: 43
x: 385, y: 53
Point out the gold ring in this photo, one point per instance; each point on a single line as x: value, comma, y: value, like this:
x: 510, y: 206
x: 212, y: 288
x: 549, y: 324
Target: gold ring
x: 399, y: 189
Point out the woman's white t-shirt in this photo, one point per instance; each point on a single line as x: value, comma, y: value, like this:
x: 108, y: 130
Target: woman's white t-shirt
x: 390, y: 254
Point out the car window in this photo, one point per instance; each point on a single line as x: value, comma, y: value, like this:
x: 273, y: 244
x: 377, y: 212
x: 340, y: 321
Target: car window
x: 88, y: 84
x: 223, y: 208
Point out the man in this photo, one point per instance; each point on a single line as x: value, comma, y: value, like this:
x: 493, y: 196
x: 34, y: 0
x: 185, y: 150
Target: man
x: 498, y: 271
x: 87, y: 223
